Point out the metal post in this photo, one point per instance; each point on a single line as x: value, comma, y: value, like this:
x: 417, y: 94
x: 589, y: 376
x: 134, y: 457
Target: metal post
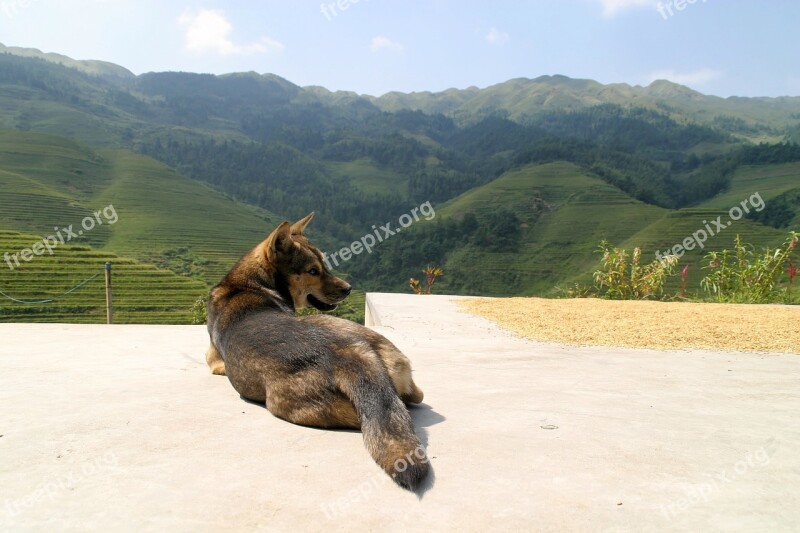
x: 109, y: 301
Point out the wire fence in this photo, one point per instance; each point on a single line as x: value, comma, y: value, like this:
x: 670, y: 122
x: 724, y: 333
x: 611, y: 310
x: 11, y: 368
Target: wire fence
x: 109, y: 305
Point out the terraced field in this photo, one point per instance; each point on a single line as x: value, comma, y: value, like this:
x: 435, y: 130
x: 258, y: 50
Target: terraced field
x: 564, y: 211
x: 160, y: 218
x: 767, y: 180
x: 676, y: 226
x: 160, y: 210
x: 142, y: 292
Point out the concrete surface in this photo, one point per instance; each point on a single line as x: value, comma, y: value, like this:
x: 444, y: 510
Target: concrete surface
x: 122, y: 428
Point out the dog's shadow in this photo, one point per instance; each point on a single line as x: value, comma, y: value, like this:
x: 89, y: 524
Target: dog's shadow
x: 422, y: 415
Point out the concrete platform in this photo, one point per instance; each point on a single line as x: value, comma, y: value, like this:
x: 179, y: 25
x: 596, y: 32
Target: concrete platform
x: 123, y: 428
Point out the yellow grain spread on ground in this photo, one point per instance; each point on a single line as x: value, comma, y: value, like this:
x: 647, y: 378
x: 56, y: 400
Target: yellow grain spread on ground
x: 646, y: 324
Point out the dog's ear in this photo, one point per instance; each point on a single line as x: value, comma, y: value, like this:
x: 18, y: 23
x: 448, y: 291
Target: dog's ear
x: 300, y: 226
x: 279, y: 241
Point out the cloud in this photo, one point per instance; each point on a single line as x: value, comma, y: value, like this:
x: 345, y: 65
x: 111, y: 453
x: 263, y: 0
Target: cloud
x: 611, y: 7
x: 698, y: 77
x: 384, y: 43
x: 209, y: 31
x: 497, y: 37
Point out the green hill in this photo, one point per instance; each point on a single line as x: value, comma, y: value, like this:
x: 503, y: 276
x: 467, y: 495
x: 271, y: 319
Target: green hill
x: 163, y: 217
x: 102, y: 69
x: 538, y: 227
x: 563, y: 212
x: 558, y: 243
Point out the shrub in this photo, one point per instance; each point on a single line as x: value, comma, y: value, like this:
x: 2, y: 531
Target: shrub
x: 624, y: 278
x: 739, y: 276
x: 199, y: 310
x: 431, y: 275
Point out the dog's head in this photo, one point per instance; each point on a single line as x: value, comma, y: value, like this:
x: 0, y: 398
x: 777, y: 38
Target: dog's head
x: 302, y: 268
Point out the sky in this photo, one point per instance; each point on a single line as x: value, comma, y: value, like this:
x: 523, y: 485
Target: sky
x: 720, y: 47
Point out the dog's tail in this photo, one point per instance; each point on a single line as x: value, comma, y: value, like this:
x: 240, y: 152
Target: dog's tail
x: 388, y: 431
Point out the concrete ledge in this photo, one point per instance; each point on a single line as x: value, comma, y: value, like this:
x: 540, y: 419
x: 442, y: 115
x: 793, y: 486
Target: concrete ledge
x: 123, y: 428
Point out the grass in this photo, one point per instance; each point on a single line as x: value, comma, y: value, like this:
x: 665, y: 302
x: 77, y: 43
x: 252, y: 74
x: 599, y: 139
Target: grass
x: 767, y: 180
x: 160, y: 210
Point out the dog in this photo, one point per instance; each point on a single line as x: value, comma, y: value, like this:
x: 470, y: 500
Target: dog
x: 318, y: 370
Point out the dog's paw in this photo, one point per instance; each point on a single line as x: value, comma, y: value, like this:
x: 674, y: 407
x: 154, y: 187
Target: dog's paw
x: 215, y: 362
x: 415, y: 396
x: 218, y: 368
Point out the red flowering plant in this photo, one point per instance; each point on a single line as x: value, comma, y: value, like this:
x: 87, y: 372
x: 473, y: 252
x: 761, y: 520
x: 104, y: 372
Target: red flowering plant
x: 742, y: 277
x: 684, y: 279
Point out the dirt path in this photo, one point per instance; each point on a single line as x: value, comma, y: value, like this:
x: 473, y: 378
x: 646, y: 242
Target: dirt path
x: 641, y: 324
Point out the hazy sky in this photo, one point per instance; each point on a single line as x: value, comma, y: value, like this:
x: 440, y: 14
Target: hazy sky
x: 723, y: 47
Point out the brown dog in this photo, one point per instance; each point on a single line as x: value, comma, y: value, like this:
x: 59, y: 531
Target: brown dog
x: 318, y: 370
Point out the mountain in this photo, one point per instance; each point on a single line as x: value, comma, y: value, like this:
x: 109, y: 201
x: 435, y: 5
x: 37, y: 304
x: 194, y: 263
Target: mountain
x: 102, y: 69
x: 523, y: 99
x: 526, y: 176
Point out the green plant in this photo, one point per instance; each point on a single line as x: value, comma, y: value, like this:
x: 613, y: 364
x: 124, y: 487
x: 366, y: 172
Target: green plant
x: 199, y: 310
x: 431, y: 275
x: 624, y: 278
x: 577, y: 291
x: 740, y: 276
